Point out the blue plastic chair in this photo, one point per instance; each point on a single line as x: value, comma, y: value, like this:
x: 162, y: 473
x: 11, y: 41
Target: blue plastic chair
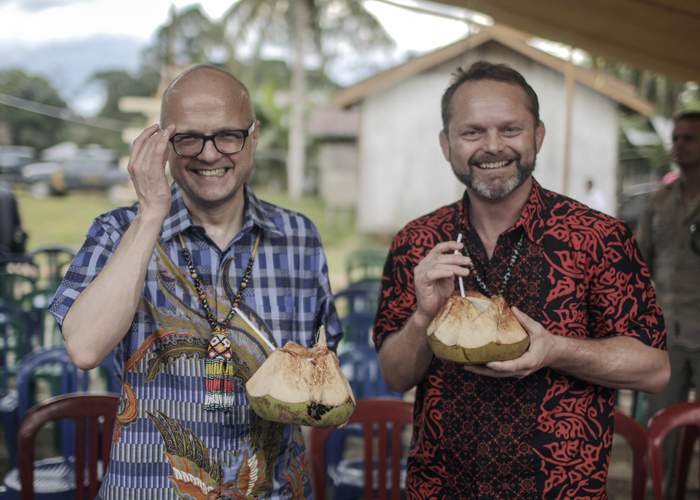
x: 360, y: 365
x: 357, y: 306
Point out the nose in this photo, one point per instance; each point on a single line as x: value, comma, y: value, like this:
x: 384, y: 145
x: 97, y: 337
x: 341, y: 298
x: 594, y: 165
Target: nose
x: 209, y: 152
x: 494, y: 141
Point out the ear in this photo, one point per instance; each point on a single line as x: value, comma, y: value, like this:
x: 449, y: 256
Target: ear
x: 539, y: 135
x: 255, y: 135
x: 445, y: 144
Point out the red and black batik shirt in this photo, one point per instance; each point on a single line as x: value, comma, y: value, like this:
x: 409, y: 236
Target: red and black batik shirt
x: 580, y: 274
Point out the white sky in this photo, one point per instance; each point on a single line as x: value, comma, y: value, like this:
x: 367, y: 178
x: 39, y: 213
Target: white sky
x: 72, y: 19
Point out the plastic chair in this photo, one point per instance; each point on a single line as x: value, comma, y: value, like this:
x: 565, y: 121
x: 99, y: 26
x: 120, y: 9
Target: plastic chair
x: 36, y: 304
x: 63, y: 376
x: 636, y: 436
x: 17, y: 339
x: 14, y: 286
x: 52, y: 260
x: 357, y: 306
x: 360, y: 366
x: 94, y: 417
x: 382, y: 471
x: 686, y: 418
x: 365, y: 264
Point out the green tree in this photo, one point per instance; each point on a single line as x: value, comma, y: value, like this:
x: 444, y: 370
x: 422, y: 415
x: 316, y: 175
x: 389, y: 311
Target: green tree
x: 306, y: 28
x: 115, y: 85
x: 28, y: 128
x: 189, y: 37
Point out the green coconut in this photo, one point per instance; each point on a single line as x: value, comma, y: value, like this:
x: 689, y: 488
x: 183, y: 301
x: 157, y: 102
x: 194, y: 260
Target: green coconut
x: 475, y: 330
x: 298, y: 385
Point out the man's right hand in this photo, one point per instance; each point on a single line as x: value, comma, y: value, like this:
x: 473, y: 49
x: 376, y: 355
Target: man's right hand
x: 147, y: 170
x: 434, y: 279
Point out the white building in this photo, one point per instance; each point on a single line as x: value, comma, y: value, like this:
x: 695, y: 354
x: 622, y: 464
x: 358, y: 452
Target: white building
x: 397, y: 172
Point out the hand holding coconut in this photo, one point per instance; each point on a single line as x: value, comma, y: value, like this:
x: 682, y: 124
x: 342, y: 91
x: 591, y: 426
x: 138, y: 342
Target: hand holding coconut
x: 540, y: 353
x: 434, y: 279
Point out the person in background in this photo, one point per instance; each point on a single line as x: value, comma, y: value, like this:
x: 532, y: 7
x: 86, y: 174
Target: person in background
x: 192, y: 287
x: 13, y: 238
x: 668, y: 236
x: 539, y: 426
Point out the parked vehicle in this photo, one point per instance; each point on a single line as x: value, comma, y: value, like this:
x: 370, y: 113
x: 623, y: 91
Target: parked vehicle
x: 57, y: 178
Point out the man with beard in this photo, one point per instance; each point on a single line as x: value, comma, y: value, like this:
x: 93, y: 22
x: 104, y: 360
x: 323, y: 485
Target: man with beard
x: 539, y: 426
x: 192, y: 287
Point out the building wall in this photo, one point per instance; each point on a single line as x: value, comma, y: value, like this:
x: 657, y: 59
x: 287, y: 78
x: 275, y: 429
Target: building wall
x: 338, y: 174
x: 402, y: 173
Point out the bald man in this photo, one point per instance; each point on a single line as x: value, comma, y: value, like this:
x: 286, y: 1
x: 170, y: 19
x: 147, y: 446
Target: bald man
x: 191, y: 288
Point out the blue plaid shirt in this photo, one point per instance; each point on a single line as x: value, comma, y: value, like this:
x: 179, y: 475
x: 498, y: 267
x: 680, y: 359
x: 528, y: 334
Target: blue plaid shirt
x: 165, y: 443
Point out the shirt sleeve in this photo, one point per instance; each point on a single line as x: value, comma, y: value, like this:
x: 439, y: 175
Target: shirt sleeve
x: 622, y: 300
x: 397, y: 298
x: 326, y: 312
x: 102, y: 240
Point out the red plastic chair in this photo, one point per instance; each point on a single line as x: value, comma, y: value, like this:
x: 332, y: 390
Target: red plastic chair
x: 687, y: 417
x: 390, y: 416
x: 636, y: 436
x: 94, y: 415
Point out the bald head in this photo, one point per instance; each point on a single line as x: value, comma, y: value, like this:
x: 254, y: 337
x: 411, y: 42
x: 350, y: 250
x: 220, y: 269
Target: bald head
x: 205, y: 81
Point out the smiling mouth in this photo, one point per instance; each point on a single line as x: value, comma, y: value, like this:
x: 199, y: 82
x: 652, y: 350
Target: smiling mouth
x: 492, y: 165
x: 211, y: 172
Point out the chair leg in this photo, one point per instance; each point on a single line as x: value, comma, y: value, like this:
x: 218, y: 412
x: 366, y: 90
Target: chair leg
x: 684, y: 451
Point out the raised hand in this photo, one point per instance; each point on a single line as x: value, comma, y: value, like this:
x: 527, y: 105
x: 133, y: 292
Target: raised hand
x: 434, y: 278
x: 149, y: 153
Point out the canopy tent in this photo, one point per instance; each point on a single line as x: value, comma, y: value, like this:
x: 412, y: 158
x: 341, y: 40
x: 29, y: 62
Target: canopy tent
x: 660, y: 35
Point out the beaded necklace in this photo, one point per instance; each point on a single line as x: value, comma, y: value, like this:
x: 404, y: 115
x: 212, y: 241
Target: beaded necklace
x: 506, y: 276
x: 219, y: 369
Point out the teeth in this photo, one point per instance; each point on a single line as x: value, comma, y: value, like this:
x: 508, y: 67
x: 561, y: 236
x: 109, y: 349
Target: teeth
x: 495, y: 164
x: 213, y: 172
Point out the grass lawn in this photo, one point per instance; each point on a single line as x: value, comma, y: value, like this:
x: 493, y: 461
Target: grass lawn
x: 65, y: 221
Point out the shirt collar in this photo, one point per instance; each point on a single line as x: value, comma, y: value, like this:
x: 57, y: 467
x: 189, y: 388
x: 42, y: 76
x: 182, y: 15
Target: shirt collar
x: 257, y: 213
x: 533, y: 216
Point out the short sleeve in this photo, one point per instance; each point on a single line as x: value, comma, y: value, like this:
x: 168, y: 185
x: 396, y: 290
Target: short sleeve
x: 397, y: 298
x: 326, y: 312
x: 103, y: 237
x: 622, y: 300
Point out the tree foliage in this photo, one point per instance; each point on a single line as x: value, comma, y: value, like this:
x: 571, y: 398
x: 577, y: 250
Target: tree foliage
x: 25, y: 127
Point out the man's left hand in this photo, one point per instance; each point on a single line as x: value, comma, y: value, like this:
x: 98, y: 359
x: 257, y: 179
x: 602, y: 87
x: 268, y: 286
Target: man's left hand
x: 541, y: 352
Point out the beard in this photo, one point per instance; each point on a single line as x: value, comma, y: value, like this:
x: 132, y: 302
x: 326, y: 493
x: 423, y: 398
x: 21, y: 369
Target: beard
x: 494, y: 189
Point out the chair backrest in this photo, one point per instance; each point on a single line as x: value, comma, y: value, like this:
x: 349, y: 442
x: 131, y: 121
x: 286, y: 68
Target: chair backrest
x: 52, y: 261
x: 365, y: 264
x: 57, y: 364
x: 94, y: 416
x: 636, y: 436
x: 686, y: 418
x: 17, y: 333
x: 14, y: 286
x: 357, y: 306
x: 390, y: 416
x: 360, y: 366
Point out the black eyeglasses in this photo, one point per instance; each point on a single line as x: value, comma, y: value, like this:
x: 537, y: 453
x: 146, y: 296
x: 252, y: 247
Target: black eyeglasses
x: 226, y: 142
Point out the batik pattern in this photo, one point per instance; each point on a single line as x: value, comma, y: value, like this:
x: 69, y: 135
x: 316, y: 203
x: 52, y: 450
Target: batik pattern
x: 548, y: 435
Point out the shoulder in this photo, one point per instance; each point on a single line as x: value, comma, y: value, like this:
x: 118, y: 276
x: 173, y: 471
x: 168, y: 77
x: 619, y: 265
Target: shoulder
x: 288, y: 223
x: 426, y: 231
x: 117, y: 220
x: 580, y: 226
